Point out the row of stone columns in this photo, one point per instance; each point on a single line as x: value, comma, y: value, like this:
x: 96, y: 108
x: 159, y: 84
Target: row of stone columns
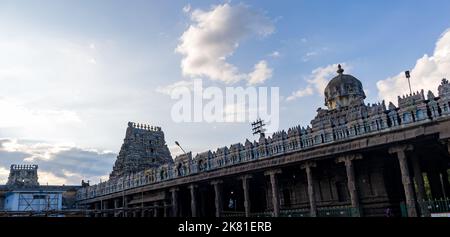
x: 348, y: 161
x: 408, y: 185
x: 101, y: 209
x: 437, y: 177
x: 245, y: 179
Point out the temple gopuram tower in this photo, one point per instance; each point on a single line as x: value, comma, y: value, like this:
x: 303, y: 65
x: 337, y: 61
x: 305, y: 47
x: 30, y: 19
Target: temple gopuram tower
x: 144, y: 147
x: 23, y: 176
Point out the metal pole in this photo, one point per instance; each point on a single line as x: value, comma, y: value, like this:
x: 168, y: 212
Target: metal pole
x: 178, y: 144
x: 409, y: 83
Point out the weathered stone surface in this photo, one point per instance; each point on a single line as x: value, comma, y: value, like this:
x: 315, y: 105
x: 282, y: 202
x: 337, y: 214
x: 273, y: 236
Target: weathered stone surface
x: 144, y: 147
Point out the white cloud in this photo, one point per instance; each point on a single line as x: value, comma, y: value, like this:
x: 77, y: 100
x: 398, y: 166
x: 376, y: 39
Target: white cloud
x: 58, y: 163
x: 260, y: 73
x: 314, y: 54
x: 317, y: 81
x: 4, y: 173
x: 61, y: 88
x: 49, y: 178
x: 309, y: 54
x: 175, y: 150
x: 426, y: 74
x: 167, y: 90
x: 41, y: 78
x: 35, y: 151
x: 275, y: 54
x: 301, y: 93
x: 187, y: 8
x: 15, y: 114
x: 214, y: 35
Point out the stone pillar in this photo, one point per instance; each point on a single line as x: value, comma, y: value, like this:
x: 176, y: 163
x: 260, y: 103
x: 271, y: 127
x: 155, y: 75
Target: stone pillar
x: 116, y: 207
x: 142, y: 214
x: 246, y: 187
x: 351, y: 180
x: 218, y: 196
x: 97, y: 209
x: 165, y: 208
x: 125, y: 206
x: 155, y: 209
x: 406, y: 178
x: 174, y: 192
x: 309, y: 177
x: 192, y: 188
x: 104, y: 208
x: 420, y: 192
x: 274, y: 185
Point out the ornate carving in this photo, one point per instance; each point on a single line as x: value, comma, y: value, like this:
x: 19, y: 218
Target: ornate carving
x: 144, y: 147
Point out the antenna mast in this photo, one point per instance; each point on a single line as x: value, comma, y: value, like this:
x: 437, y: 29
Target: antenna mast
x: 258, y: 127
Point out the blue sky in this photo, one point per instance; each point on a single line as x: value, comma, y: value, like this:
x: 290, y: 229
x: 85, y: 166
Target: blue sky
x: 73, y: 73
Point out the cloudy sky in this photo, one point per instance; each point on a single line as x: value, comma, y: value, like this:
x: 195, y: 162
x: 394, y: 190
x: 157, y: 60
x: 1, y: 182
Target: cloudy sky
x: 73, y: 73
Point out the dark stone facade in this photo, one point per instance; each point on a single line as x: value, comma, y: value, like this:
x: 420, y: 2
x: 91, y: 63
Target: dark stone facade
x: 354, y: 160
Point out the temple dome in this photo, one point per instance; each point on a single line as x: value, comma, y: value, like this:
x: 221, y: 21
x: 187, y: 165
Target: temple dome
x: 343, y: 90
